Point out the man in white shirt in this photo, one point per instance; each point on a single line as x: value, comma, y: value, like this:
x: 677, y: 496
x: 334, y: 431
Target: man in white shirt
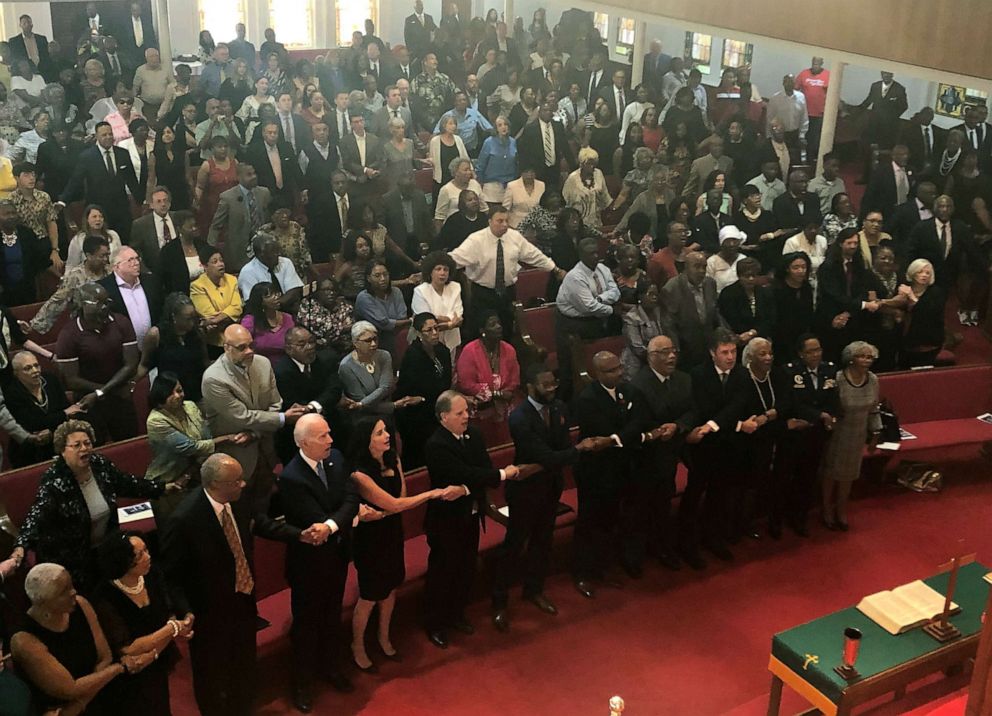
x: 340, y: 123
x: 789, y: 107
x: 616, y: 94
x: 828, y: 184
x: 491, y: 260
x: 153, y: 231
x: 673, y: 80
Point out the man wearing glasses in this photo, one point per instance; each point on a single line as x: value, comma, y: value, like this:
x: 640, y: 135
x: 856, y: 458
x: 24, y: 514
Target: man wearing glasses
x: 240, y: 395
x: 97, y: 356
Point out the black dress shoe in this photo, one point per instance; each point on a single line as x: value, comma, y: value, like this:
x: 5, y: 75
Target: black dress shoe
x: 611, y: 582
x: 302, y: 700
x: 501, y: 621
x: 463, y: 625
x: 339, y: 682
x: 829, y: 524
x: 719, y: 551
x: 634, y: 571
x: 438, y: 638
x: 670, y: 560
x: 543, y: 603
x: 842, y: 526
x: 800, y: 528
x: 694, y: 559
x: 585, y: 589
x: 775, y: 531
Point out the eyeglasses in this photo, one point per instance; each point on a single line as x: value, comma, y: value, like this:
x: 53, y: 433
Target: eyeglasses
x: 372, y: 339
x: 82, y: 445
x: 664, y: 352
x: 240, y: 348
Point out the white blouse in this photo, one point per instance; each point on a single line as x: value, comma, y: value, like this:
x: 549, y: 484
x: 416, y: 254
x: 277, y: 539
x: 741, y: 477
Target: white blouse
x: 518, y: 202
x: 449, y: 303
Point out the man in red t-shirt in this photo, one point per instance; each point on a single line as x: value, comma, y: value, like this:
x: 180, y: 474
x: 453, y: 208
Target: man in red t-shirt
x: 813, y: 83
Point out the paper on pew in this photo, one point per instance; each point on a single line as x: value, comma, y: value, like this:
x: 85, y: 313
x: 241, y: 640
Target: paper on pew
x: 888, y: 446
x: 986, y: 418
x: 134, y: 513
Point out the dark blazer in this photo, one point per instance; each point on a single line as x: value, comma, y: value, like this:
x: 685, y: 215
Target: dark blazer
x: 530, y: 147
x: 172, y: 272
x: 292, y: 178
x: 153, y: 293
x: 834, y: 297
x: 809, y: 400
x: 32, y: 417
x: 606, y: 91
x: 351, y: 161
x: 55, y: 165
x: 549, y: 446
x: 654, y: 68
x: 584, y: 78
x: 599, y: 415
x: 912, y: 137
x: 395, y: 223
x: 198, y: 561
x: 706, y: 230
x: 129, y: 44
x: 306, y: 501
x: 881, y: 194
x: 454, y: 462
x: 35, y: 258
x: 681, y: 320
x: 883, y: 122
x: 295, y: 386
x: 660, y: 403
x: 924, y: 243
x: 735, y: 309
x: 766, y: 153
x: 19, y: 52
x: 786, y: 209
x: 127, y: 67
x: 715, y: 401
x: 91, y: 181
x: 301, y: 131
x: 901, y: 222
x: 419, y: 376
x: 144, y: 239
x: 416, y: 36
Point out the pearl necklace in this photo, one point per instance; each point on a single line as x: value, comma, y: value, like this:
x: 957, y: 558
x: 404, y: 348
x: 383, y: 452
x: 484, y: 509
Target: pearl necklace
x: 761, y: 395
x: 9, y: 239
x: 133, y: 591
x: 947, y: 162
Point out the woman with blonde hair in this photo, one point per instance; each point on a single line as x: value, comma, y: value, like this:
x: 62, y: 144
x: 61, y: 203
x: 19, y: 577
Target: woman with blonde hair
x: 585, y: 189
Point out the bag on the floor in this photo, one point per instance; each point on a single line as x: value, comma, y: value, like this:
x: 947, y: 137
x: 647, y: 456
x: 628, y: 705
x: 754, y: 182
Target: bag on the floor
x: 890, y: 423
x: 920, y: 477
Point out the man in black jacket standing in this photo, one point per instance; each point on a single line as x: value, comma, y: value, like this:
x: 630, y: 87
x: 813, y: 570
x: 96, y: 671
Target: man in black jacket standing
x: 540, y: 430
x: 317, y: 491
x: 603, y: 411
x: 458, y: 463
x: 207, y: 550
x: 664, y: 416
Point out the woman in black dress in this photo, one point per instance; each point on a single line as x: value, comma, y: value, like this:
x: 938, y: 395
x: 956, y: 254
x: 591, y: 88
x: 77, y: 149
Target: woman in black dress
x: 604, y: 137
x: 378, y: 539
x: 137, y: 618
x: 171, y: 167
x: 749, y: 309
x: 175, y: 345
x: 924, y: 324
x: 793, y: 296
x: 426, y: 372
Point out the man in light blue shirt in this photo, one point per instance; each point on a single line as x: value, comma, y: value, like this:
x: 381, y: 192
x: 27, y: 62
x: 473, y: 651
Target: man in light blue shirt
x: 268, y: 265
x: 469, y: 122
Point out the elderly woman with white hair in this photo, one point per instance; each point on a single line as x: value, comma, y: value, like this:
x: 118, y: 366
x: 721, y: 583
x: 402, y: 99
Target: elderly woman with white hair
x: 399, y: 151
x: 367, y: 375
x: 923, y: 326
x: 62, y: 651
x: 585, y: 189
x: 858, y: 422
x: 462, y: 178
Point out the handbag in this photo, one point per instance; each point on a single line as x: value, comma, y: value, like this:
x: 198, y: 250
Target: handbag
x: 890, y: 432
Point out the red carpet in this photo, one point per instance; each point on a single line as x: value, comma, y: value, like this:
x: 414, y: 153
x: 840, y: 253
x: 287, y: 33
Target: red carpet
x: 672, y: 643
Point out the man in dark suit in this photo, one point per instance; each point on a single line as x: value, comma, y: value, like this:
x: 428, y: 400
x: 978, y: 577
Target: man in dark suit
x: 813, y: 383
x: 540, y: 428
x: 116, y: 66
x: 717, y: 386
x: 207, y: 553
x: 33, y: 48
x: 924, y: 140
x: 418, y: 30
x: 364, y: 166
x: 146, y: 303
x: 534, y: 146
x: 616, y: 94
x: 594, y: 78
x: 603, y: 411
x: 459, y: 465
x: 975, y: 134
x: 908, y: 214
x: 664, y: 416
x: 293, y: 129
x: 151, y: 232
x: 656, y: 64
x: 276, y: 164
x: 886, y: 101
x: 307, y: 377
x: 690, y: 310
x: 137, y: 35
x: 706, y: 226
x: 947, y: 243
x: 797, y: 208
x: 317, y: 490
x: 408, y: 217
x: 100, y: 177
x: 891, y: 184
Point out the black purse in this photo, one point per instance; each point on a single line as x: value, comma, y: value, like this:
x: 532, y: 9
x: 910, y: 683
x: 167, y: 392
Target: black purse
x: 890, y: 423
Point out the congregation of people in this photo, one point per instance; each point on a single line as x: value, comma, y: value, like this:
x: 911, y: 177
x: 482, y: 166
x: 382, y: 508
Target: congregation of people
x: 309, y: 272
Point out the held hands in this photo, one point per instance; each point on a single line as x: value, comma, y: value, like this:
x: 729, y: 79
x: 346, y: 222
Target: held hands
x: 872, y: 306
x: 408, y: 401
x: 87, y: 401
x: 697, y: 434
x: 588, y: 445
x: 840, y: 320
x: 186, y: 627
x: 828, y: 420
x: 349, y: 404
x: 316, y: 534
x: 8, y: 567
x: 512, y: 472
x: 74, y: 410
x: 526, y: 470
x: 295, y: 412
x: 452, y: 493
x: 796, y: 424
x: 42, y: 437
x: 241, y: 438
x: 370, y: 514
x: 751, y: 424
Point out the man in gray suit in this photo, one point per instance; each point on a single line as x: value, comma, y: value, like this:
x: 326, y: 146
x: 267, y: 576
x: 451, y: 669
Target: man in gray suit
x: 392, y: 109
x: 690, y: 310
x: 153, y: 231
x: 241, y: 211
x: 240, y: 397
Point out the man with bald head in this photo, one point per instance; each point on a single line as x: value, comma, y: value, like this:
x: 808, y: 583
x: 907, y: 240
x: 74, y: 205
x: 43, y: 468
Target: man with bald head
x: 664, y: 417
x: 207, y: 554
x: 240, y: 395
x: 603, y: 412
x: 690, y: 310
x: 316, y: 489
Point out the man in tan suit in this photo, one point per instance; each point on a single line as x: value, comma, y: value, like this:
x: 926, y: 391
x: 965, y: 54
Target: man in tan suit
x: 240, y: 397
x: 241, y: 211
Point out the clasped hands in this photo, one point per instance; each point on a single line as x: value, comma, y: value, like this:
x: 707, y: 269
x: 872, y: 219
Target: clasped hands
x: 662, y: 432
x: 594, y: 444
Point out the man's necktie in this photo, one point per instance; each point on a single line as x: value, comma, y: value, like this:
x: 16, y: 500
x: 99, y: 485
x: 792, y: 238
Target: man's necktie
x: 943, y: 240
x: 343, y: 212
x: 575, y: 112
x: 109, y: 158
x: 287, y: 129
x: 396, y: 113
x: 115, y: 65
x: 927, y: 143
x: 243, y: 582
x: 166, y: 231
x: 814, y: 379
x: 623, y: 105
x: 973, y: 137
x: 549, y: 154
x: 274, y: 280
x: 499, y: 282
x: 723, y: 379
x: 592, y: 86
x: 599, y: 283
x: 254, y: 221
x: 546, y: 416
x: 849, y: 274
x: 322, y: 474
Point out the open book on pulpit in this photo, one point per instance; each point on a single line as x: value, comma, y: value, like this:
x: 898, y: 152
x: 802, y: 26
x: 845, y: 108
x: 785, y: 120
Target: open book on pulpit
x: 903, y: 608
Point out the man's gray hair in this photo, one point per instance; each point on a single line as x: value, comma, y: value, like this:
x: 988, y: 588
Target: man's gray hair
x: 259, y: 240
x: 116, y: 255
x: 854, y: 349
x: 444, y: 401
x: 39, y: 585
x: 304, y: 426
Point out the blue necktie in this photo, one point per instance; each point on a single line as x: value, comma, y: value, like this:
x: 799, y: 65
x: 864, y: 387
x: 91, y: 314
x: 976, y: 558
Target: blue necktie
x: 322, y: 474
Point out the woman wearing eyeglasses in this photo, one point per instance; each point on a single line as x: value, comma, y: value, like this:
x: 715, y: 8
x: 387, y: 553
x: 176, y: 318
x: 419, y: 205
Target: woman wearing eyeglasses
x: 76, y: 505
